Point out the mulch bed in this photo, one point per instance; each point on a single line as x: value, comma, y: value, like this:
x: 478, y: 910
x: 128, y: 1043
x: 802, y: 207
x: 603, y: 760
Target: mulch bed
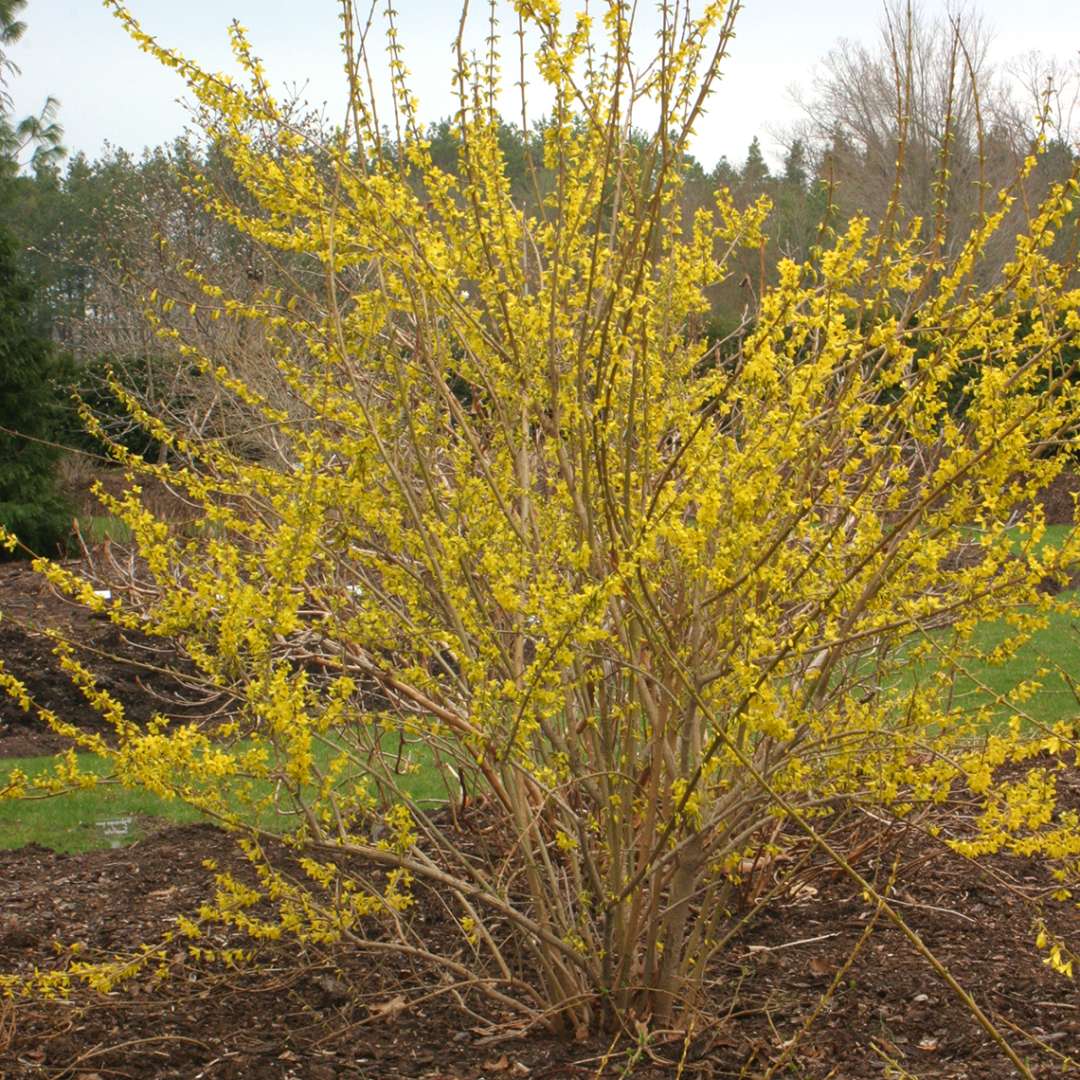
x: 302, y: 1013
x: 1058, y: 499
x: 124, y: 663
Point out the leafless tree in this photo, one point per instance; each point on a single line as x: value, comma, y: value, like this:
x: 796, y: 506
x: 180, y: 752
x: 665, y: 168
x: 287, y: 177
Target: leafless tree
x: 1050, y: 88
x: 921, y: 125
x: 149, y: 290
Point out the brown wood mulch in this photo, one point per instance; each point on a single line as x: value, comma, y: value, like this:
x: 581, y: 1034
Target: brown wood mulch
x: 306, y: 1013
x: 128, y: 665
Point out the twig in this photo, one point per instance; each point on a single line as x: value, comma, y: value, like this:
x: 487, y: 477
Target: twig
x: 99, y: 1050
x: 791, y: 944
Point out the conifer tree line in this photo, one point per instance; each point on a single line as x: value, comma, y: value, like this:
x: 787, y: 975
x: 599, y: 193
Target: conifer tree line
x: 87, y: 239
x: 33, y: 375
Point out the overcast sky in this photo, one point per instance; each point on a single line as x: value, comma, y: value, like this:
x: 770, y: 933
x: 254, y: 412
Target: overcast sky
x: 111, y: 92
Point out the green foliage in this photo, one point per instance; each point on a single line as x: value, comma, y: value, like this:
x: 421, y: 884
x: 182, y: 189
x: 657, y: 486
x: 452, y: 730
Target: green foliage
x: 100, y: 527
x: 39, y: 133
x: 31, y: 409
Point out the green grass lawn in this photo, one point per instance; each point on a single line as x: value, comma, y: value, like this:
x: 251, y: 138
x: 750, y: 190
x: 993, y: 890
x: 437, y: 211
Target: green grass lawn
x: 1054, y: 534
x: 1056, y: 647
x: 96, y: 528
x: 77, y: 821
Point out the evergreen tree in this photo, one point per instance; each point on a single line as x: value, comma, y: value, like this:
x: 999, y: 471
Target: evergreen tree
x: 31, y: 410
x: 755, y: 172
x: 11, y: 29
x: 32, y: 506
x: 724, y: 174
x: 795, y: 169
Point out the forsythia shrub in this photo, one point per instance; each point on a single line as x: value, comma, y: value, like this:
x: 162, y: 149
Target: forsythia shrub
x: 651, y: 606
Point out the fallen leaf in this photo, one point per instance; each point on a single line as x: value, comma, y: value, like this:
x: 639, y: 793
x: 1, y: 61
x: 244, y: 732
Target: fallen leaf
x: 498, y: 1065
x: 928, y: 1043
x: 819, y: 966
x: 750, y: 866
x: 389, y: 1010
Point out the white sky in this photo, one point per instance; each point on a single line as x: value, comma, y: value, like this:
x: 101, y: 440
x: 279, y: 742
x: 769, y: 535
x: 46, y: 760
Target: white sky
x: 111, y: 92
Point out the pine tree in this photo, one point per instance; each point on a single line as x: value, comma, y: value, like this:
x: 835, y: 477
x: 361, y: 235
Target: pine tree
x: 796, y: 172
x: 755, y: 172
x: 41, y: 133
x: 724, y: 174
x: 32, y: 507
x: 31, y: 409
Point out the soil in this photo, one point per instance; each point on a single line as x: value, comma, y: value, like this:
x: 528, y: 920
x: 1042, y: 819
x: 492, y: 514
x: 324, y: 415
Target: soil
x: 1059, y: 499
x: 125, y: 663
x: 297, y: 1012
x: 314, y: 1014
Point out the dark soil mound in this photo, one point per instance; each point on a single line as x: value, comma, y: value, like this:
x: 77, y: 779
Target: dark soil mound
x: 125, y: 664
x: 1057, y: 499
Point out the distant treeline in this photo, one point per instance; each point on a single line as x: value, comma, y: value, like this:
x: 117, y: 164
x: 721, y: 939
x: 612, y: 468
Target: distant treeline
x: 92, y: 239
